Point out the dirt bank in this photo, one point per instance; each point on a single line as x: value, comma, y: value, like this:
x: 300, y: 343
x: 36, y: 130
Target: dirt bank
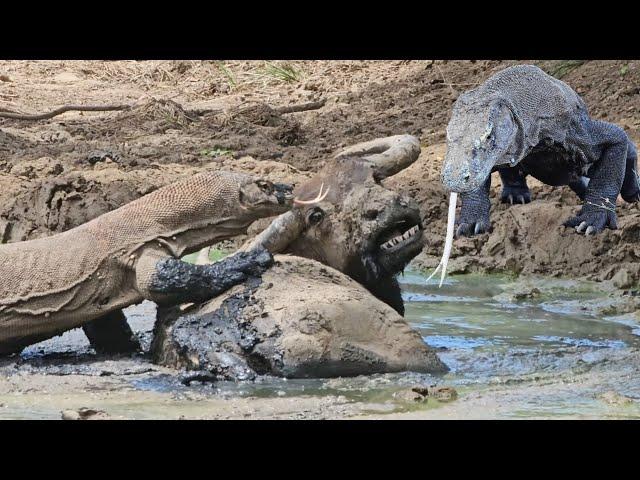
x: 189, y: 115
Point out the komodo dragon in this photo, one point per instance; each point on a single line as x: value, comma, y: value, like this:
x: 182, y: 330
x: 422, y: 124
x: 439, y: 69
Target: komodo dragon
x: 522, y: 122
x: 86, y: 275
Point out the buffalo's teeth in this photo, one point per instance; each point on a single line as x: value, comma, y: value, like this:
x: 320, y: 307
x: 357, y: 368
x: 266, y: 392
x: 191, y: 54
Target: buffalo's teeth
x: 400, y: 238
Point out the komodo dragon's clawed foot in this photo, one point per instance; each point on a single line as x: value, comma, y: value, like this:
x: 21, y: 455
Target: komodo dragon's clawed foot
x: 515, y: 194
x: 591, y: 220
x: 470, y: 225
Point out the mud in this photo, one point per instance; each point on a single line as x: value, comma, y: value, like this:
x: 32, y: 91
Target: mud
x: 59, y: 173
x: 551, y: 355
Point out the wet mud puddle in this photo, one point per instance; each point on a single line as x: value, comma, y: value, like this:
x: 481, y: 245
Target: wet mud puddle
x: 530, y: 347
x: 517, y: 348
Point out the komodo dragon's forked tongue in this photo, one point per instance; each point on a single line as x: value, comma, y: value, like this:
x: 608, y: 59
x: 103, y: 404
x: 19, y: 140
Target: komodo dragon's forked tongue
x: 451, y: 219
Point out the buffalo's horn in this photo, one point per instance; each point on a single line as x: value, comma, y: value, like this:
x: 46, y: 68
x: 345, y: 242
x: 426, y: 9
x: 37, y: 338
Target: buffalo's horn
x: 318, y: 199
x: 389, y: 155
x: 279, y: 234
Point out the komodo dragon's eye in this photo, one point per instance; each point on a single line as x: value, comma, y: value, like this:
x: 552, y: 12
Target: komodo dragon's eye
x: 315, y: 216
x: 265, y: 186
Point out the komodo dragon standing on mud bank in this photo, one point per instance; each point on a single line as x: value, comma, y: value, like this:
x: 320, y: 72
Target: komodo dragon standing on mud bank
x: 89, y: 273
x: 522, y: 122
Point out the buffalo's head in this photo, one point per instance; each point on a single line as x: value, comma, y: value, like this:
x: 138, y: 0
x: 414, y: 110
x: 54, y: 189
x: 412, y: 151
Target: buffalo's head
x: 353, y: 223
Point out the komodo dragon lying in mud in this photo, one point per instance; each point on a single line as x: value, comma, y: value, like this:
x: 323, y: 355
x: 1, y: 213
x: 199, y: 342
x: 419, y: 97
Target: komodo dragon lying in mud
x: 86, y: 275
x: 522, y: 122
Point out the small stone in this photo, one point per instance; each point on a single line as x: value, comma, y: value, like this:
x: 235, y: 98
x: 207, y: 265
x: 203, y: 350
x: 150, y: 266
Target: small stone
x: 622, y: 279
x: 66, y: 77
x: 84, y: 414
x: 70, y: 415
x: 410, y: 396
x: 443, y: 394
x: 614, y: 398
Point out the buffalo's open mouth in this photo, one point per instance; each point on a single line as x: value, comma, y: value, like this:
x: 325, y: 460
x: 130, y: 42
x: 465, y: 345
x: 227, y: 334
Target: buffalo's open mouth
x: 400, y: 240
x: 399, y: 235
x: 398, y: 243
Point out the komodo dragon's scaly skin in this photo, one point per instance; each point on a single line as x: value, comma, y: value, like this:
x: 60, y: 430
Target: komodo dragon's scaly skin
x: 53, y: 284
x: 522, y: 122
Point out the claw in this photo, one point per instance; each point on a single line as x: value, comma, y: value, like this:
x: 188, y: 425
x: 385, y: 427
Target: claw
x: 521, y: 199
x: 511, y: 199
x: 581, y: 227
x: 478, y: 229
x: 590, y: 230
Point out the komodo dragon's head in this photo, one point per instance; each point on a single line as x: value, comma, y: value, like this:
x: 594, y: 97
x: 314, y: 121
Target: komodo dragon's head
x: 355, y: 224
x: 480, y: 136
x: 210, y: 206
x: 263, y: 197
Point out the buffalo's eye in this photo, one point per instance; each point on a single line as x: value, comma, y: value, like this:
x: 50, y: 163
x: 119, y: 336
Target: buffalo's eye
x: 315, y: 216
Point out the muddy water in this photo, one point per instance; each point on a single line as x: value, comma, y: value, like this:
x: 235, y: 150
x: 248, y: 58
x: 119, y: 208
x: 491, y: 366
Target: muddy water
x: 532, y: 348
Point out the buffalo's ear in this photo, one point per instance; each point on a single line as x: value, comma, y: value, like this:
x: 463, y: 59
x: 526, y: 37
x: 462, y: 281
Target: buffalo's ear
x: 388, y: 155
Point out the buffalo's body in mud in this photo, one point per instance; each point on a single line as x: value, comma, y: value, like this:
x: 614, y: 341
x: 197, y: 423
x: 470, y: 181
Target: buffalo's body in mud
x: 302, y: 318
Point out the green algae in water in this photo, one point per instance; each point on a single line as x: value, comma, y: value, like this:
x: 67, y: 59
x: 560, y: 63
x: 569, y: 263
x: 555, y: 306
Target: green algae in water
x: 215, y: 254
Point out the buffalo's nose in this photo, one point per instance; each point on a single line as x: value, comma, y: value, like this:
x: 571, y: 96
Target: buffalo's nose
x: 371, y: 214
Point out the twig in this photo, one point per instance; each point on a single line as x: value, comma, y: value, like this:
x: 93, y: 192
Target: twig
x: 602, y: 206
x: 109, y: 108
x: 61, y: 110
x: 444, y: 80
x: 303, y: 107
x: 514, y: 218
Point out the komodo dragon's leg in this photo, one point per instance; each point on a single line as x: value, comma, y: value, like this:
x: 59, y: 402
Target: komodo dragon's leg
x: 474, y: 214
x: 164, y: 279
x: 631, y: 187
x: 514, y: 186
x: 606, y: 178
x: 579, y: 186
x: 111, y: 334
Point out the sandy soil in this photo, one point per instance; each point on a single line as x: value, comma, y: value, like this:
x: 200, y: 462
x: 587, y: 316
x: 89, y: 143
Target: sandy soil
x: 189, y: 115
